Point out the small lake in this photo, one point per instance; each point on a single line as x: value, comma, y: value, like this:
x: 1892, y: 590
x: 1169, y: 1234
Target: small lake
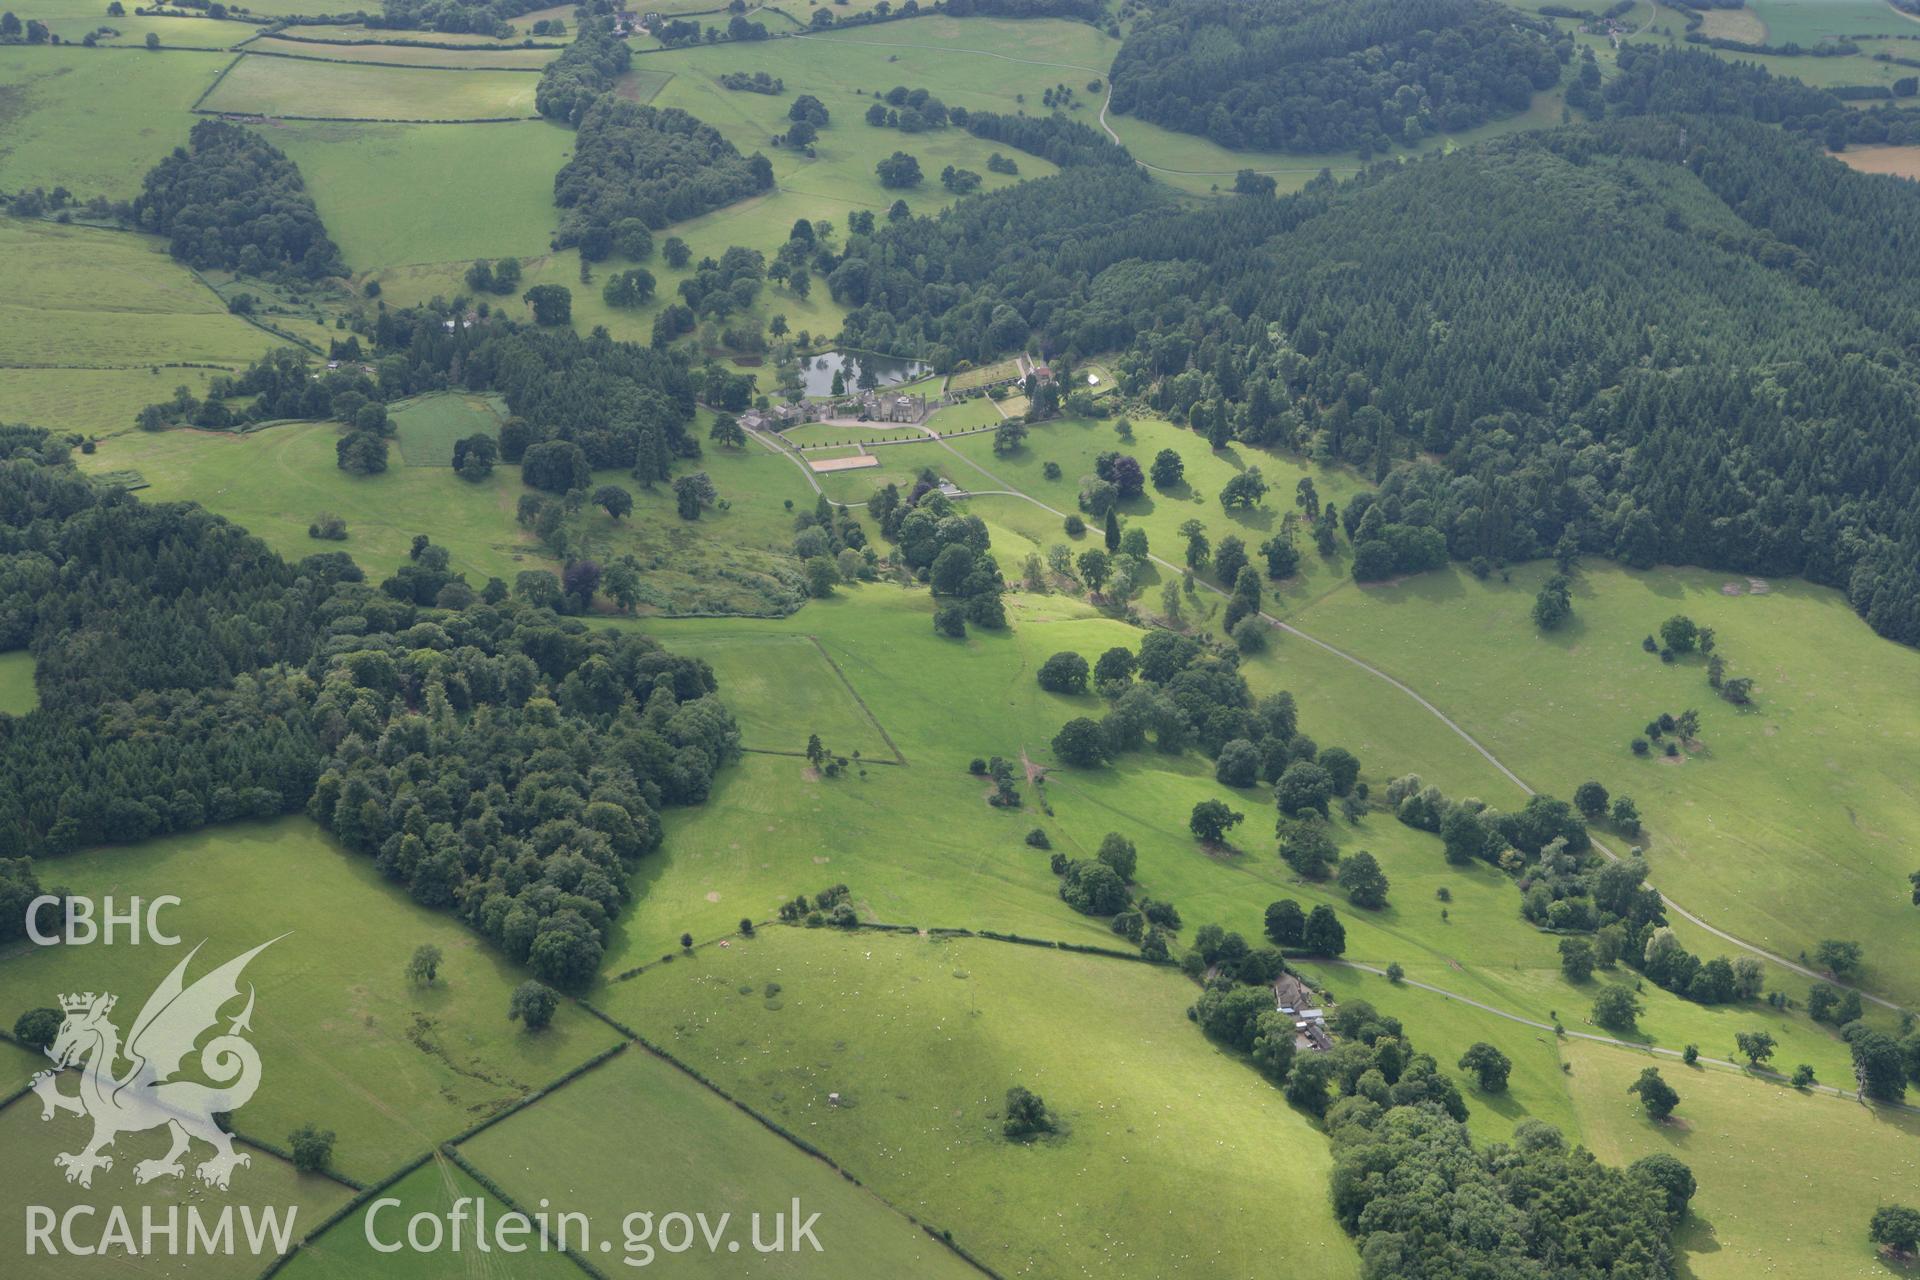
x: 817, y: 372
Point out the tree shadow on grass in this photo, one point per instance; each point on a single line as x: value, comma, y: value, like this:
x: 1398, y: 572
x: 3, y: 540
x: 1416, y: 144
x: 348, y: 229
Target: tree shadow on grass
x: 1260, y: 519
x: 1435, y: 586
x: 1696, y: 1237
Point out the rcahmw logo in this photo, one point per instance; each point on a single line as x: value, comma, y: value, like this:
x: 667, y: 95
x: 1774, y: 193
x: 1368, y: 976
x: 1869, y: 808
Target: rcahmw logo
x: 150, y: 1094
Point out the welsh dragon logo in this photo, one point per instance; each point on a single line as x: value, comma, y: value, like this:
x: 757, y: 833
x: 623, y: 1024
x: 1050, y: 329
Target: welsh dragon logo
x: 147, y: 1096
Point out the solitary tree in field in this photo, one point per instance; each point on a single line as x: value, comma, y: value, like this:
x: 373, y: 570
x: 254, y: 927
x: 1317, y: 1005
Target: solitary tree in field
x: 1211, y: 819
x: 1081, y: 741
x: 1324, y: 934
x: 532, y: 1005
x: 691, y: 492
x: 312, y: 1148
x: 1169, y: 469
x: 1681, y: 633
x: 899, y: 170
x: 552, y: 304
x: 1554, y: 605
x: 1576, y: 959
x: 424, y: 967
x: 1879, y: 1067
x: 1026, y: 1115
x: 1656, y: 1095
x: 1837, y: 957
x: 1095, y: 566
x: 1756, y: 1045
x: 1286, y: 922
x: 1198, y: 546
x: 1366, y: 884
x: 1896, y: 1227
x: 617, y: 501
x: 1617, y: 1009
x: 1590, y: 798
x: 1064, y: 672
x: 622, y: 583
x: 1490, y: 1067
x: 1304, y: 786
x: 37, y: 1028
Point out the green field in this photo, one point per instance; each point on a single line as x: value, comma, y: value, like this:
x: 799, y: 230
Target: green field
x: 1810, y: 793
x: 1809, y: 22
x: 340, y: 91
x: 92, y: 401
x: 816, y: 435
x: 105, y: 299
x: 968, y: 415
x: 345, y: 1041
x: 74, y: 20
x: 95, y: 120
x: 981, y: 64
x: 356, y: 33
x: 699, y: 1154
x: 344, y: 1253
x: 1073, y: 443
x: 782, y: 688
x: 643, y: 83
x: 17, y: 694
x: 998, y: 371
x: 275, y: 481
x: 31, y: 1178
x: 896, y: 835
x: 427, y: 427
x: 922, y: 1038
x: 1786, y: 1179
x: 366, y: 179
x: 479, y: 57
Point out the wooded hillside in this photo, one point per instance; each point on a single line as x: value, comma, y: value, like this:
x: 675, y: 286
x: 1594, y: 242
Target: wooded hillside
x: 1673, y: 339
x: 1330, y: 75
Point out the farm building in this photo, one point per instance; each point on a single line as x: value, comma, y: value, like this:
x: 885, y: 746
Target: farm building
x: 1297, y: 1000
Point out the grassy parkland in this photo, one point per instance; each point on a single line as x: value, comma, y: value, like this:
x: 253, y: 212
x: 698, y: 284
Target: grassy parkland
x: 323, y: 90
x: 113, y: 300
x: 95, y: 120
x: 921, y: 1038
x: 347, y: 1042
x: 701, y: 1154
